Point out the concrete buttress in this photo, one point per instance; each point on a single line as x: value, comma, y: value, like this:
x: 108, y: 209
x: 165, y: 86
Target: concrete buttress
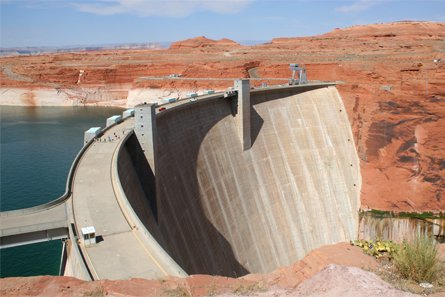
x: 243, y: 112
x: 146, y: 130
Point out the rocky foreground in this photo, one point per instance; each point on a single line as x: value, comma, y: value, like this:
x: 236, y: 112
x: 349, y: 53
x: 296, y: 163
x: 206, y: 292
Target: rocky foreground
x: 392, y: 81
x: 335, y: 270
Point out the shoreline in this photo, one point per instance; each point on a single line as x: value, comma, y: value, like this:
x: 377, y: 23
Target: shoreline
x: 122, y: 96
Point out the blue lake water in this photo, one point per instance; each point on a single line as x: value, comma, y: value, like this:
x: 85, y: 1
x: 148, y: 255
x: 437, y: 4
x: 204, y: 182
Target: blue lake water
x: 37, y: 147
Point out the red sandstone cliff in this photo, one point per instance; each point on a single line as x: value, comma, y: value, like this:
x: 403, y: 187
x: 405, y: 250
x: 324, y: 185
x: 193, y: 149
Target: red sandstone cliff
x: 393, y: 85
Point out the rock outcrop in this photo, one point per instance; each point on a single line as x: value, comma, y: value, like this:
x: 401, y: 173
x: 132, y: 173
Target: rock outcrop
x: 202, y: 41
x: 332, y: 270
x: 392, y: 81
x: 286, y: 278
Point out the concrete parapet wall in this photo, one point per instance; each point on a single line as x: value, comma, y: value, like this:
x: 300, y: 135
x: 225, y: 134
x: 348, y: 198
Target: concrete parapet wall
x: 74, y: 266
x: 222, y: 210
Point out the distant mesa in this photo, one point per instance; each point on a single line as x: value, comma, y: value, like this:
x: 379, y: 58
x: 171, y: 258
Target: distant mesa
x: 401, y: 30
x: 202, y: 41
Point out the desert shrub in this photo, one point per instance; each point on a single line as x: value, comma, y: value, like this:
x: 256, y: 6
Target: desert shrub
x: 418, y: 260
x: 378, y: 248
x: 177, y: 292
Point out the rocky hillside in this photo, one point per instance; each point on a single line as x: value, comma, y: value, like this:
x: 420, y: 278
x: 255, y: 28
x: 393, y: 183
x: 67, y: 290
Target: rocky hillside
x: 392, y: 79
x: 332, y: 270
x: 279, y: 281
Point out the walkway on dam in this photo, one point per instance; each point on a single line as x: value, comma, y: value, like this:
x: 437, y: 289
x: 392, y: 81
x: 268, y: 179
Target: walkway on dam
x: 120, y: 252
x: 33, y: 225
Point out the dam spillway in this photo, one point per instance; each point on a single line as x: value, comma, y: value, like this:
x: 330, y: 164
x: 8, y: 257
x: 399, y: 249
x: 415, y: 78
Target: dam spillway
x: 216, y: 208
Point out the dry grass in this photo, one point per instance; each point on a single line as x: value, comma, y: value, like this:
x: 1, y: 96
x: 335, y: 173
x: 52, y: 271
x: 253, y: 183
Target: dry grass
x: 176, y: 292
x: 418, y: 260
x: 245, y: 289
x: 413, y: 263
x: 98, y: 292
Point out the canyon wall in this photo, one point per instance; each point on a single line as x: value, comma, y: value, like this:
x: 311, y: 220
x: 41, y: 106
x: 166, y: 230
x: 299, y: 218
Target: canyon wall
x: 393, y: 89
x: 399, y: 229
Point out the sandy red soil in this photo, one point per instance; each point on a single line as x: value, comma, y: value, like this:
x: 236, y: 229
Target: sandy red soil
x: 332, y: 270
x: 287, y: 278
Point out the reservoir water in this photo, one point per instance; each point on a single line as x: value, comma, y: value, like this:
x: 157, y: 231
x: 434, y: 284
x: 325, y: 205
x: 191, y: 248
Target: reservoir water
x: 38, y: 145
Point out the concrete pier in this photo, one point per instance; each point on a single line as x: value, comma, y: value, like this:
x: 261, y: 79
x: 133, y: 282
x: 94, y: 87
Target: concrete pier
x: 243, y: 112
x: 146, y: 131
x: 90, y: 134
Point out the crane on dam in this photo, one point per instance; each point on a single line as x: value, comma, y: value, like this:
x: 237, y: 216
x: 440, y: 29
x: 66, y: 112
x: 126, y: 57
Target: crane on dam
x: 302, y: 78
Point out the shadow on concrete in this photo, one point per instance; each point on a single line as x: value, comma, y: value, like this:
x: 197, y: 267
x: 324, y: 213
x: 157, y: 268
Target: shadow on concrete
x: 197, y: 245
x: 144, y: 173
x: 182, y: 227
x: 233, y: 105
x: 255, y: 125
x: 258, y: 98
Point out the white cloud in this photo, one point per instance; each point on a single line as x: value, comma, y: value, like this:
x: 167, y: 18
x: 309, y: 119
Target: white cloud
x: 357, y: 6
x: 171, y: 8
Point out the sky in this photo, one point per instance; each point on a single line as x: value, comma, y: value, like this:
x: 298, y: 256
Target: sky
x: 58, y: 23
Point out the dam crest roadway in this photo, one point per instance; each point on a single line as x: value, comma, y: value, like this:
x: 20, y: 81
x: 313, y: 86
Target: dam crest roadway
x: 226, y: 183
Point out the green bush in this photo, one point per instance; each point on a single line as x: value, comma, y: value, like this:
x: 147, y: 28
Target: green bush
x: 378, y: 248
x: 418, y: 260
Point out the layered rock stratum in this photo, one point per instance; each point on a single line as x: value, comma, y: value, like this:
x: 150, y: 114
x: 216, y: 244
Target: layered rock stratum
x: 392, y: 80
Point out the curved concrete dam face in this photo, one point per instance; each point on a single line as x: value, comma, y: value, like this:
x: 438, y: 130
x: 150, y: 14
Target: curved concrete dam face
x: 223, y: 210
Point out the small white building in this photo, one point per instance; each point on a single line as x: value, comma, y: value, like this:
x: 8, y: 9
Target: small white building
x: 114, y: 120
x: 170, y: 100
x: 91, y: 133
x: 128, y: 113
x: 89, y: 235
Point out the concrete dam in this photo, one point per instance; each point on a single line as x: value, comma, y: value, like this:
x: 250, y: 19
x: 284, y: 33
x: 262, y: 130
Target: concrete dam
x: 229, y: 187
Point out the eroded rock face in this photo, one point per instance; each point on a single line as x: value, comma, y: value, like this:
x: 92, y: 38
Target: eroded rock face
x: 283, y: 279
x: 393, y: 86
x: 332, y: 270
x: 329, y: 269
